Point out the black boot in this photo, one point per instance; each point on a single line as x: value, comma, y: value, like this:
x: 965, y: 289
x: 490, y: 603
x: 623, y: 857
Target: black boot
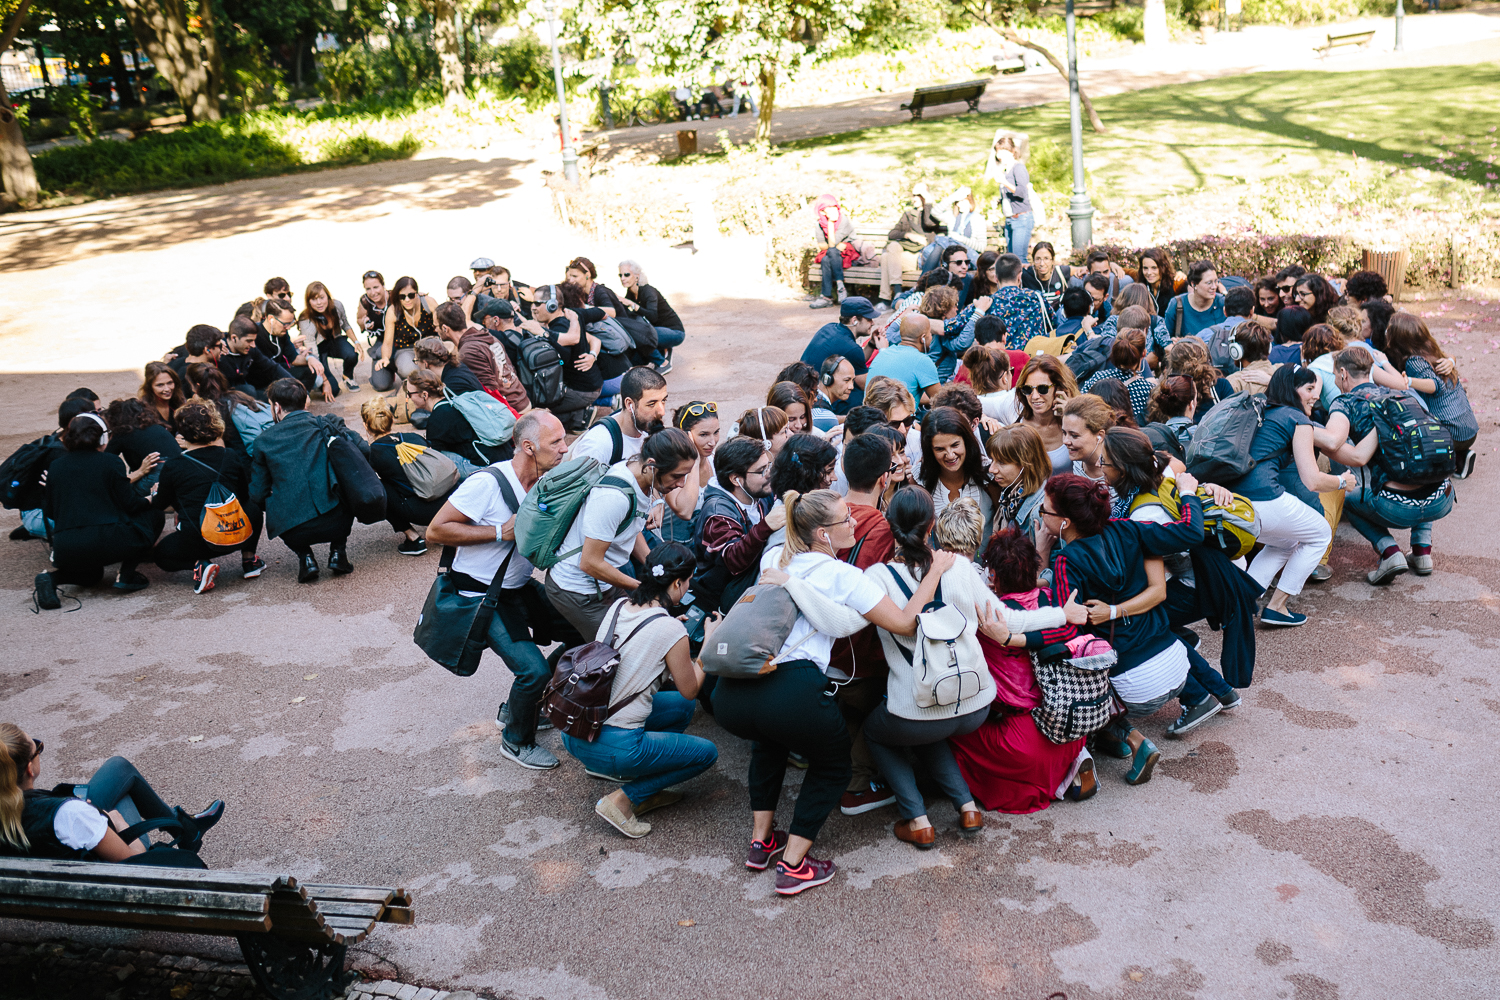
x: 338, y: 561
x: 308, y: 572
x: 208, y: 817
x: 46, y: 592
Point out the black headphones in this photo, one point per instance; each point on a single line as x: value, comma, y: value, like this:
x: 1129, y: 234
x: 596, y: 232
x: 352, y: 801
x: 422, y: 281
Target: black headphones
x: 830, y: 368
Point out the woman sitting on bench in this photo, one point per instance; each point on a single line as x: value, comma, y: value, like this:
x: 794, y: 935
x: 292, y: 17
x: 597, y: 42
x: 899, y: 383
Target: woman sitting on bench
x: 82, y: 822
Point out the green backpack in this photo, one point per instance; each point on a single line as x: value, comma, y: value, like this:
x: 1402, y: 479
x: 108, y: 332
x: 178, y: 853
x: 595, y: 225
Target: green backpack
x: 552, y: 505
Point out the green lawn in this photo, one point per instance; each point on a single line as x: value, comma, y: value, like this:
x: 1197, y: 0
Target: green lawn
x: 1253, y: 127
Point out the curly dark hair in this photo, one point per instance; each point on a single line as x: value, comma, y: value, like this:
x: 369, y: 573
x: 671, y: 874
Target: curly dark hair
x: 1012, y: 557
x: 127, y: 415
x: 1082, y: 501
x: 1139, y: 463
x: 198, y: 421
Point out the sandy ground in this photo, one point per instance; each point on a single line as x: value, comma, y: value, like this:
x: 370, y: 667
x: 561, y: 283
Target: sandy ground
x: 1332, y: 838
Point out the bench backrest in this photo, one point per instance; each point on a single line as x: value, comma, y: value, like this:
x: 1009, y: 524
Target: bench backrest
x: 949, y: 92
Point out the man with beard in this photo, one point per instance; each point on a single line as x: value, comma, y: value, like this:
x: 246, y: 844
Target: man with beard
x: 732, y: 528
x: 618, y: 437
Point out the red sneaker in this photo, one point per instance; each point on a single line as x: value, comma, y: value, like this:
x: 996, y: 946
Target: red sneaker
x: 204, y: 575
x: 762, y: 852
x: 872, y: 796
x: 811, y: 872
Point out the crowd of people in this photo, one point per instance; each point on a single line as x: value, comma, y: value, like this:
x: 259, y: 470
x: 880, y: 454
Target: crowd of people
x: 1015, y: 447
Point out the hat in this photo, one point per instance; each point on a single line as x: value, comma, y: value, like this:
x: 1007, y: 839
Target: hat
x: 488, y: 305
x: 481, y: 264
x: 857, y: 305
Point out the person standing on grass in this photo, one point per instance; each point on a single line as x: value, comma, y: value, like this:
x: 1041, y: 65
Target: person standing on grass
x: 479, y: 521
x: 1015, y: 197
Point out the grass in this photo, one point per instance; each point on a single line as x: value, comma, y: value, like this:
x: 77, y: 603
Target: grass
x: 207, y: 153
x: 1178, y: 139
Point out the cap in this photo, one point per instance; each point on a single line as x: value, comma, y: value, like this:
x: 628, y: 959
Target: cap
x: 488, y: 305
x: 481, y: 264
x: 857, y: 305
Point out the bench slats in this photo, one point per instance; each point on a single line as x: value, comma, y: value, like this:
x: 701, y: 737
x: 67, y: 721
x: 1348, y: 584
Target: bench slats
x: 42, y: 890
x: 398, y: 915
x: 360, y: 892
x: 337, y: 908
x: 88, y: 871
x: 190, y: 919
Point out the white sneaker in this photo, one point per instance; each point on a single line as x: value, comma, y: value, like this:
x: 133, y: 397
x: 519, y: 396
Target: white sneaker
x: 1390, y: 567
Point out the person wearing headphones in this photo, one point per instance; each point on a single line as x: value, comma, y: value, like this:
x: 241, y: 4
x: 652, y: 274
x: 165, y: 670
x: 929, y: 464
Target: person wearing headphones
x: 835, y: 386
x: 643, y: 408
x: 582, y: 379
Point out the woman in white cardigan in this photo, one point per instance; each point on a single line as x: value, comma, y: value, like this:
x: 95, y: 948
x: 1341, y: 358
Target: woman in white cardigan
x: 791, y: 709
x: 900, y: 730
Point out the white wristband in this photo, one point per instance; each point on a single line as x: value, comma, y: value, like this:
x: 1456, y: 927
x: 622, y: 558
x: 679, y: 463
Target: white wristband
x: 1114, y: 611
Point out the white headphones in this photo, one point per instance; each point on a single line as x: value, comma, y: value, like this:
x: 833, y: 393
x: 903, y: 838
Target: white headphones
x: 103, y: 438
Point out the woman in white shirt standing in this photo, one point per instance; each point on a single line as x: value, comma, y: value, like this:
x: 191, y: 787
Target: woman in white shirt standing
x: 643, y: 744
x: 792, y: 709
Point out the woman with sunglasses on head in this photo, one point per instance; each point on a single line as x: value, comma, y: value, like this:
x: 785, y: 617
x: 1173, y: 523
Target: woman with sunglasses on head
x: 954, y: 464
x: 1044, y: 385
x: 1116, y: 568
x: 1202, y: 582
x: 81, y: 822
x: 791, y: 709
x: 407, y: 323
x: 700, y: 421
x: 324, y: 324
x: 646, y: 301
x: 99, y: 517
x: 369, y: 313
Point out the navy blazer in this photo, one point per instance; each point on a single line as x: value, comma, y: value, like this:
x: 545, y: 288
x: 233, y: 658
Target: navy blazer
x: 290, y: 478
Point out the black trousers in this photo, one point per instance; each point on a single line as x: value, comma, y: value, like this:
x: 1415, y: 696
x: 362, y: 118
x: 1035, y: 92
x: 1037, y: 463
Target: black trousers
x: 332, y: 527
x: 81, y: 554
x: 339, y: 347
x: 403, y: 510
x: 574, y: 406
x: 184, y: 548
x: 304, y: 374
x: 789, y: 710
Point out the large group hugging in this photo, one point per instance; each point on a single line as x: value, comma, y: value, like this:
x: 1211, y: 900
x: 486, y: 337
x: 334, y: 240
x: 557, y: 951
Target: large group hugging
x: 959, y: 550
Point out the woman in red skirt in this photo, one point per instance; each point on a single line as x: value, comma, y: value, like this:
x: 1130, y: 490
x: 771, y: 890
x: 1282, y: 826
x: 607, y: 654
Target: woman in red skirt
x: 1009, y: 765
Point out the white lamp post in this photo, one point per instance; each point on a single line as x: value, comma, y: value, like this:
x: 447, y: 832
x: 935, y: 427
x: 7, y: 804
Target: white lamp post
x: 569, y: 157
x: 1080, y: 209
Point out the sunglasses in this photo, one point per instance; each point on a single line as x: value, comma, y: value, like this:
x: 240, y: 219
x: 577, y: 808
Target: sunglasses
x: 905, y: 424
x: 624, y: 275
x: 408, y: 295
x: 39, y: 747
x: 959, y: 263
x: 1036, y: 390
x: 698, y: 409
x: 370, y: 274
x: 1284, y: 288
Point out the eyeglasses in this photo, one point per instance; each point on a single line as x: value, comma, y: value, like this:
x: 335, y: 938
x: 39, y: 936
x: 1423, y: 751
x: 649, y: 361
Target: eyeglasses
x: 1050, y: 513
x: 38, y: 752
x: 408, y: 295
x: 835, y: 524
x: 1307, y: 293
x: 895, y: 467
x: 1036, y: 390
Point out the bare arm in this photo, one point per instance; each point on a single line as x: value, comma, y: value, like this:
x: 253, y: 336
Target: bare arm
x: 450, y: 527
x: 386, y: 361
x: 1307, y: 464
x: 1154, y: 594
x: 686, y: 671
x: 684, y: 499
x: 592, y: 562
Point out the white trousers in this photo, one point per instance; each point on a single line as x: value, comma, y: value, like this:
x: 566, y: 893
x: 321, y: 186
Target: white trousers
x: 1294, y: 536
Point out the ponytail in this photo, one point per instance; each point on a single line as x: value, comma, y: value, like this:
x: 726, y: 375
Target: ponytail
x: 805, y: 514
x: 910, y: 515
x: 15, y: 754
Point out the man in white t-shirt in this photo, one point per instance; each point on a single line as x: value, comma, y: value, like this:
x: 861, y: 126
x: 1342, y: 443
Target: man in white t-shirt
x: 479, y: 519
x: 643, y: 394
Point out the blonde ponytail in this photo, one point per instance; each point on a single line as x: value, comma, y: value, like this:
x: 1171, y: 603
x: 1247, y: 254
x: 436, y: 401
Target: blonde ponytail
x: 805, y: 514
x: 15, y: 754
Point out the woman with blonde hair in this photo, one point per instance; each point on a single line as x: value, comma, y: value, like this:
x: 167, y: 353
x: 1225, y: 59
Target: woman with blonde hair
x: 1007, y: 164
x: 1020, y: 467
x: 1084, y: 420
x: 1189, y: 357
x: 790, y: 709
x: 82, y: 822
x: 1044, y: 385
x: 403, y: 508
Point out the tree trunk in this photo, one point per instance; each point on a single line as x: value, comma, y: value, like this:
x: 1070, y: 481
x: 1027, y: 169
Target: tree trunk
x: 445, y: 40
x: 17, y: 173
x: 120, y: 74
x: 1155, y: 23
x: 1057, y: 64
x: 189, y: 62
x: 767, y: 95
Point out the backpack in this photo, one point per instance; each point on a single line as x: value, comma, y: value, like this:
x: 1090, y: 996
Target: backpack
x: 751, y: 633
x: 576, y: 699
x: 1074, y: 680
x: 1089, y: 357
x: 21, y: 473
x: 949, y: 651
x: 616, y: 438
x: 931, y: 255
x: 1163, y: 438
x: 552, y: 505
x: 1224, y: 352
x: 539, y: 366
x: 250, y: 423
x: 492, y: 419
x: 224, y: 521
x: 357, y: 483
x: 641, y: 331
x: 1415, y: 446
x: 612, y: 336
x: 430, y: 474
x: 1220, y: 452
x: 1233, y: 530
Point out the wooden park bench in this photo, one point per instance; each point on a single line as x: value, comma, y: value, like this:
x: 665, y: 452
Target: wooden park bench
x: 1351, y: 38
x: 293, y: 934
x: 869, y: 274
x: 970, y: 91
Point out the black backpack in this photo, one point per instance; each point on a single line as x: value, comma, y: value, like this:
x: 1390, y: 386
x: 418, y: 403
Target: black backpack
x: 1089, y: 357
x: 1415, y: 447
x: 21, y: 473
x: 539, y: 366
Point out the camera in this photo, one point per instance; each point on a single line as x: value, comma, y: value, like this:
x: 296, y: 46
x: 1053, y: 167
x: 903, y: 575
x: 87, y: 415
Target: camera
x: 697, y: 617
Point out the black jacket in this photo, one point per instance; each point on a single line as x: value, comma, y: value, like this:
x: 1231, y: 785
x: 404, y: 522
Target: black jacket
x: 184, y: 484
x: 89, y: 488
x: 653, y: 307
x: 1111, y: 567
x: 290, y: 477
x: 251, y: 368
x: 135, y: 445
x: 458, y: 379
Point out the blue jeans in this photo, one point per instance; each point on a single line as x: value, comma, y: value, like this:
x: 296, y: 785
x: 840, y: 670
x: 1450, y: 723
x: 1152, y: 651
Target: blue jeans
x: 1372, y: 513
x: 116, y: 781
x: 833, y: 270
x: 36, y: 522
x: 466, y: 467
x: 656, y: 756
x: 524, y: 659
x: 610, y: 389
x: 666, y: 339
x: 1018, y: 233
x: 1203, y: 680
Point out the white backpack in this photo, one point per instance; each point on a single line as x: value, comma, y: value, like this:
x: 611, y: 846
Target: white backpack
x: 945, y: 670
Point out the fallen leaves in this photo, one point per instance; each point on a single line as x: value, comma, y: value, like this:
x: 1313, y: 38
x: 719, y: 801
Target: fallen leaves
x: 687, y: 923
x: 195, y: 739
x: 299, y: 699
x: 309, y: 677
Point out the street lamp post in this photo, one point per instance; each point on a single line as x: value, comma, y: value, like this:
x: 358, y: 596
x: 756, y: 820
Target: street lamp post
x: 1080, y: 210
x: 569, y: 157
x: 1400, y: 25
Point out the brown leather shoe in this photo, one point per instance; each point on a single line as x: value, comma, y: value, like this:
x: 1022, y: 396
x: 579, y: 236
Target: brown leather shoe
x: 920, y: 839
x: 970, y: 822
